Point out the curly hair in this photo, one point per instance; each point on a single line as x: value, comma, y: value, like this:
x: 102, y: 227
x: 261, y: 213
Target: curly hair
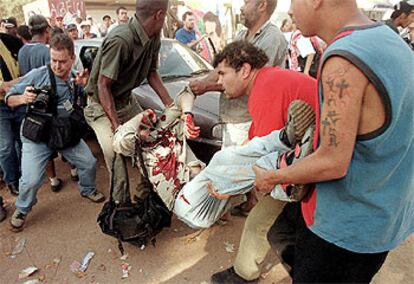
x: 239, y: 52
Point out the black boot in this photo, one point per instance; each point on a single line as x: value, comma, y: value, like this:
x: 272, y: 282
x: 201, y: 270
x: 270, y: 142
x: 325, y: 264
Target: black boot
x: 3, y: 212
x: 14, y: 188
x: 229, y: 276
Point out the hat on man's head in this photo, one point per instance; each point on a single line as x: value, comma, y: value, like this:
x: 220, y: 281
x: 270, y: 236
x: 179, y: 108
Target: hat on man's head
x: 71, y: 27
x: 85, y: 23
x: 106, y: 16
x: 38, y: 23
x: 405, y: 7
x: 10, y: 22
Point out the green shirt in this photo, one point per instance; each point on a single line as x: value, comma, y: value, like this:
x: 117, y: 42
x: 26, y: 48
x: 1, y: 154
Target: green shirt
x: 271, y: 40
x: 127, y: 56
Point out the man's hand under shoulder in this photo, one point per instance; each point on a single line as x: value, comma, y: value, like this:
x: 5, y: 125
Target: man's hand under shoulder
x: 27, y: 97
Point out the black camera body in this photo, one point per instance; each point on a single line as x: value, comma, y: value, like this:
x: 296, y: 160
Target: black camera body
x: 42, y: 100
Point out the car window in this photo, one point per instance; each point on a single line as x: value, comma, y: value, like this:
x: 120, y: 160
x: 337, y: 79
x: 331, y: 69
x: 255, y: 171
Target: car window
x: 177, y: 60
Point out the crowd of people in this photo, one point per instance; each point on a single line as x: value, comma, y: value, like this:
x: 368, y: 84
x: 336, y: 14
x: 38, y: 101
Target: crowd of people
x: 315, y: 120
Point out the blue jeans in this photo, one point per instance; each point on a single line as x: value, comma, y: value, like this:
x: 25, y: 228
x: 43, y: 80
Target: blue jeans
x: 10, y: 145
x: 34, y: 159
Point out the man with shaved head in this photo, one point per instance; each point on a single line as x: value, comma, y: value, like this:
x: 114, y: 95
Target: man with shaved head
x: 127, y: 57
x: 362, y: 205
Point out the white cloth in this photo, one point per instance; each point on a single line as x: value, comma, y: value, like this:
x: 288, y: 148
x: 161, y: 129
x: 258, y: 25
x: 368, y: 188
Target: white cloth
x: 230, y: 172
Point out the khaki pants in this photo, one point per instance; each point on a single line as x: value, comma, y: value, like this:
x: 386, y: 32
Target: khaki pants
x: 254, y: 245
x: 101, y: 125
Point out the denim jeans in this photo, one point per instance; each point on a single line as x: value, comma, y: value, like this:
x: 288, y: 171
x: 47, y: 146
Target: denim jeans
x: 10, y: 145
x: 34, y: 159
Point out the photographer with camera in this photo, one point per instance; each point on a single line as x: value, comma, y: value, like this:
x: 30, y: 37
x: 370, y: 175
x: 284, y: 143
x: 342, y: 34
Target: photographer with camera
x: 53, y: 122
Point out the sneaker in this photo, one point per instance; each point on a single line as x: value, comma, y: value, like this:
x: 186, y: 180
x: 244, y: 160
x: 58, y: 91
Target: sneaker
x: 58, y: 187
x: 229, y: 276
x: 96, y: 197
x: 295, y: 192
x: 300, y: 117
x: 3, y: 212
x: 14, y: 188
x: 17, y: 221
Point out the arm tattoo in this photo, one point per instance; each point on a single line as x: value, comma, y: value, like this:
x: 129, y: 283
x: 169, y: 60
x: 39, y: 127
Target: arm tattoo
x: 335, y: 95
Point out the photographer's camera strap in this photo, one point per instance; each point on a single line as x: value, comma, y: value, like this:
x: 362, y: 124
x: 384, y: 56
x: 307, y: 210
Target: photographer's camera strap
x: 53, y: 102
x: 53, y: 92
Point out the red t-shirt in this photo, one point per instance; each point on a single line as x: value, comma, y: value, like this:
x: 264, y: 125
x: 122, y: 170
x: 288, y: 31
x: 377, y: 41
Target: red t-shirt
x: 272, y: 92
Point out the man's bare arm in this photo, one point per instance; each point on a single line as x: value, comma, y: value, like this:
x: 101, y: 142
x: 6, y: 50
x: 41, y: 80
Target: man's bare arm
x: 344, y: 87
x: 107, y: 100
x: 308, y: 63
x: 206, y: 84
x: 156, y: 83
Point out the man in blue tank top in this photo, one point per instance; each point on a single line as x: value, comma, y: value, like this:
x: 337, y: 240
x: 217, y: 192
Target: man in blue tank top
x: 362, y: 205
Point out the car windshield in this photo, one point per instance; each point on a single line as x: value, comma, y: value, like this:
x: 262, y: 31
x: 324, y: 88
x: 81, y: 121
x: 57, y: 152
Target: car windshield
x: 177, y: 60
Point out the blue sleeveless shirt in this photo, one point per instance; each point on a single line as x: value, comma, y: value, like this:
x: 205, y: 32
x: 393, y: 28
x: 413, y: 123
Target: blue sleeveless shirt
x: 371, y: 209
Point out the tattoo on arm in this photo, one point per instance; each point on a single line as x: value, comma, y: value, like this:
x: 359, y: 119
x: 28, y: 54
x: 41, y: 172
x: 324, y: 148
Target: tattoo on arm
x: 335, y: 96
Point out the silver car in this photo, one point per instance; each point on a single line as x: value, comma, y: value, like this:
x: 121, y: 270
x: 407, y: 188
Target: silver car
x: 177, y: 65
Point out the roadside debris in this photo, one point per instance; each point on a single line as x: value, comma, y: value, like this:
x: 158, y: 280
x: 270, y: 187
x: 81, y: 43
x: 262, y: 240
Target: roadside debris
x: 79, y: 268
x: 229, y: 247
x: 18, y: 249
x: 32, y: 281
x: 27, y: 272
x: 125, y: 270
x: 124, y: 257
x: 195, y: 237
x: 102, y: 267
x: 74, y: 267
x: 86, y: 260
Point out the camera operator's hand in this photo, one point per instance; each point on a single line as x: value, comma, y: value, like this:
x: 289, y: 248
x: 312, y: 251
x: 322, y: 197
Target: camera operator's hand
x: 81, y: 78
x: 28, y: 96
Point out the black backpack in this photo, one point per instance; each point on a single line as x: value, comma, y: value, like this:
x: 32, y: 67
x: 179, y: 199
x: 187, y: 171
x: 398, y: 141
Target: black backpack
x: 135, y: 223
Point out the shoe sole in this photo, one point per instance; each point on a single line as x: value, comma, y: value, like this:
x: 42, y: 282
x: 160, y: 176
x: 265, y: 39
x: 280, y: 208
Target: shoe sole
x: 100, y: 200
x: 15, y: 229
x: 57, y: 188
x: 301, y: 116
x: 299, y: 191
x: 296, y: 192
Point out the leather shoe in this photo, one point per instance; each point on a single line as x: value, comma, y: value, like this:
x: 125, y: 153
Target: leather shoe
x: 14, y: 189
x: 58, y: 187
x: 229, y: 276
x: 3, y: 212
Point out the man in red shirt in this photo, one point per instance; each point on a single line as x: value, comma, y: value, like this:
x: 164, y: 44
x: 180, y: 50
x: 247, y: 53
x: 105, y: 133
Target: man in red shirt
x: 270, y: 90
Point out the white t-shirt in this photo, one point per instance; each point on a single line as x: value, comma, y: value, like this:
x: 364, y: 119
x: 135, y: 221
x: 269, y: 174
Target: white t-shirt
x: 305, y: 47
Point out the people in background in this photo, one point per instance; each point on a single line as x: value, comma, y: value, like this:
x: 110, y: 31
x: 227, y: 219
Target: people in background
x: 122, y: 17
x: 23, y: 33
x: 402, y: 16
x: 187, y: 35
x: 86, y: 30
x: 106, y: 24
